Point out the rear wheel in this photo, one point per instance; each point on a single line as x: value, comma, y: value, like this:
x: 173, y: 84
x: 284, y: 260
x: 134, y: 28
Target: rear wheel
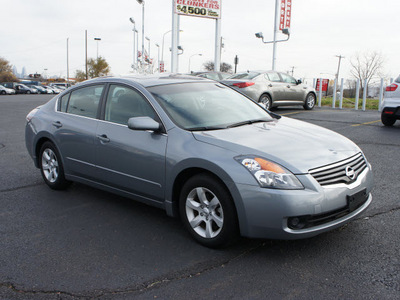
x: 208, y: 212
x: 3, y: 92
x: 51, y: 167
x: 310, y: 102
x: 387, y: 120
x: 265, y: 101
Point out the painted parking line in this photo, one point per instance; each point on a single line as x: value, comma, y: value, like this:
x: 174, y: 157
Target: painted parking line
x: 291, y: 113
x: 366, y: 123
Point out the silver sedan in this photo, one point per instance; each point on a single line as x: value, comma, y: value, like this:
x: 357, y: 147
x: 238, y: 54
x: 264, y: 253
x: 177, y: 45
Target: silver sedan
x: 202, y: 151
x: 273, y: 89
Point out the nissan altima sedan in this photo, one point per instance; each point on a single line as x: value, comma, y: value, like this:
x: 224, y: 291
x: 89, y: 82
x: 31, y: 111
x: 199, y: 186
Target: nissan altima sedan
x: 202, y: 151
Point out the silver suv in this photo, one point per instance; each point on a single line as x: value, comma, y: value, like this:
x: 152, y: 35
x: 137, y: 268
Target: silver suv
x: 391, y: 104
x: 273, y: 89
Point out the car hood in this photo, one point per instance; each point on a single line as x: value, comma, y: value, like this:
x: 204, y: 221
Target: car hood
x: 297, y: 145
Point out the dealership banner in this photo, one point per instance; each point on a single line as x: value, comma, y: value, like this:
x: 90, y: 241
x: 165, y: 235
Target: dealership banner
x: 285, y: 14
x: 199, y: 8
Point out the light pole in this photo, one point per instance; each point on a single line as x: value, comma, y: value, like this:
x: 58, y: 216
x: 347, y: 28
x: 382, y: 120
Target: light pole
x: 285, y: 31
x: 148, y: 39
x: 162, y: 47
x: 338, y: 68
x: 98, y: 40
x: 142, y: 3
x: 158, y: 57
x: 199, y: 54
x: 67, y: 60
x: 134, y: 46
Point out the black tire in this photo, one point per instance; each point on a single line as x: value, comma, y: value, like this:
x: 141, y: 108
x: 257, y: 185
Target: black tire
x: 310, y: 102
x: 51, y: 167
x: 214, y: 223
x: 3, y: 92
x: 28, y: 92
x: 387, y: 120
x: 266, y: 101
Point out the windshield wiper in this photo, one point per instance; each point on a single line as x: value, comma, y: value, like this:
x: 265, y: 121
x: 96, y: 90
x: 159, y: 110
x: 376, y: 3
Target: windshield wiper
x: 247, y: 123
x: 205, y: 128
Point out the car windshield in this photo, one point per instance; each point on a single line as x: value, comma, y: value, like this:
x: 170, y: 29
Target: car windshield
x: 247, y: 75
x: 207, y: 106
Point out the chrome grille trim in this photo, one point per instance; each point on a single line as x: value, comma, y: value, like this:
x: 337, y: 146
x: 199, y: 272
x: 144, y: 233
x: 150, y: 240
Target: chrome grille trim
x: 336, y: 173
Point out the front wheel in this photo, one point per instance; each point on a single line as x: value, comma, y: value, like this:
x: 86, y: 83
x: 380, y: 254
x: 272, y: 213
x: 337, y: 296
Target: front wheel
x: 310, y: 102
x: 265, y: 101
x: 387, y: 120
x: 3, y: 92
x: 51, y: 167
x: 208, y: 212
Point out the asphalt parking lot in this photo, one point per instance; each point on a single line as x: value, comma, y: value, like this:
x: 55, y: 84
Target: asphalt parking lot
x: 88, y: 244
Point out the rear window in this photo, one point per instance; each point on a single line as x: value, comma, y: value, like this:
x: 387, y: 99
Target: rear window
x: 248, y: 75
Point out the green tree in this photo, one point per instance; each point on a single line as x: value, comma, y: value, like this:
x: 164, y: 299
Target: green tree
x: 6, y: 74
x: 96, y: 68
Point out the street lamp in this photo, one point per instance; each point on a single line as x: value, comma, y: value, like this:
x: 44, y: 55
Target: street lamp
x: 191, y: 57
x: 162, y: 47
x: 134, y: 46
x: 142, y: 3
x: 98, y: 40
x: 284, y: 31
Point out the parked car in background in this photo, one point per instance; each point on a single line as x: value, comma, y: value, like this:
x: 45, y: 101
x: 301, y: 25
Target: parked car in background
x: 391, y: 103
x: 218, y: 76
x: 63, y: 85
x: 53, y: 89
x: 6, y: 91
x: 273, y: 89
x: 201, y: 151
x: 23, y: 89
x: 40, y: 89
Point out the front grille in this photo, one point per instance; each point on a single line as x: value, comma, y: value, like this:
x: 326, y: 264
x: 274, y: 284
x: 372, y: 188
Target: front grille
x: 336, y: 173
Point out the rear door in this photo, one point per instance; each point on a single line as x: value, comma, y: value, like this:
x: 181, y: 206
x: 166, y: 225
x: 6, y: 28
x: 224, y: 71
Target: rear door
x: 130, y: 160
x: 75, y: 127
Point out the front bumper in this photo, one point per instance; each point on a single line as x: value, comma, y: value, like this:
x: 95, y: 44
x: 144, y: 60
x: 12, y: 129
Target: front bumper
x: 267, y: 212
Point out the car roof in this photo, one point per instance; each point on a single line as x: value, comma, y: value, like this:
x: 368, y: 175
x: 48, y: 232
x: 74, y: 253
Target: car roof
x: 152, y: 80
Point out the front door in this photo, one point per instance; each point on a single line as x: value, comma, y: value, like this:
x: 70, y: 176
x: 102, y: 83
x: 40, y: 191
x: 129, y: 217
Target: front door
x: 130, y: 160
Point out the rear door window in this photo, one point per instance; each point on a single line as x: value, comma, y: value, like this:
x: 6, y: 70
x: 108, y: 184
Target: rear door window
x: 85, y: 101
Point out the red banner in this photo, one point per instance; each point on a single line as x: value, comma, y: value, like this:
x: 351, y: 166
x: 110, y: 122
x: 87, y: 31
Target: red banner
x: 283, y: 12
x: 288, y: 13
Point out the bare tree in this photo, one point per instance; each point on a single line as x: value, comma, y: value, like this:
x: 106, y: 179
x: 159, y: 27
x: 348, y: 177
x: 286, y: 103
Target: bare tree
x: 367, y: 65
x: 224, y: 67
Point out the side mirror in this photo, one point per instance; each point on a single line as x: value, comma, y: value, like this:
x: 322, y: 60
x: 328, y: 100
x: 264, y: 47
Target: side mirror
x: 143, y: 124
x: 299, y: 81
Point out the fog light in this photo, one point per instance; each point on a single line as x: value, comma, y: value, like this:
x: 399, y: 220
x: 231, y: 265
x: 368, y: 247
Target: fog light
x: 296, y: 223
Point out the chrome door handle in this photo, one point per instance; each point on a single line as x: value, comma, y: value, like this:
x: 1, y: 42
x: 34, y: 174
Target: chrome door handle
x: 103, y: 138
x: 57, y: 124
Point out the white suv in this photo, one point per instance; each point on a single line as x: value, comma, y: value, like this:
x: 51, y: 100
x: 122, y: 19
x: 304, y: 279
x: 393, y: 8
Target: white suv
x: 391, y: 103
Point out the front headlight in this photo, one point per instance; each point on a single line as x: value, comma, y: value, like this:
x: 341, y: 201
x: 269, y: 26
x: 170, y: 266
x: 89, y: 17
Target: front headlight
x: 269, y: 174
